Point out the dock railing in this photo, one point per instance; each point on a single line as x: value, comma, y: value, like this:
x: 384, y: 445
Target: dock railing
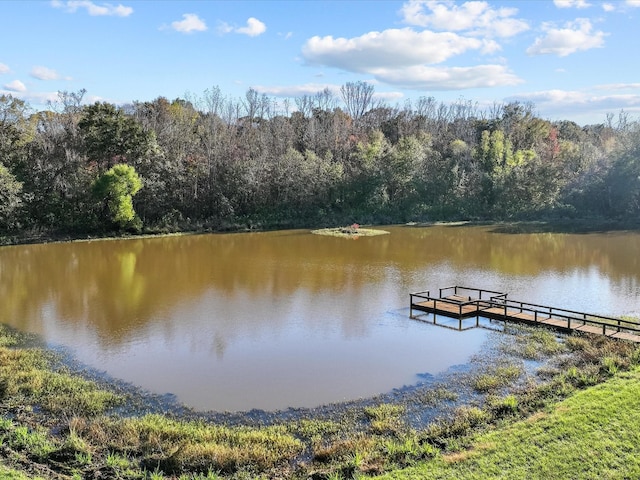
x: 573, y: 318
x: 492, y: 302
x: 457, y: 299
x: 457, y: 289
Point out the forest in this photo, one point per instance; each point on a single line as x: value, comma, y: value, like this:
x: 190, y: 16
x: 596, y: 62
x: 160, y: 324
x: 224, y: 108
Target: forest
x: 213, y: 162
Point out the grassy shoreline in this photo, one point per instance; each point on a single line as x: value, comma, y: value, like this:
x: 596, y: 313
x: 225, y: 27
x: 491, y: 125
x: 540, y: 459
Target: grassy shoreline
x: 577, y: 225
x: 54, y: 423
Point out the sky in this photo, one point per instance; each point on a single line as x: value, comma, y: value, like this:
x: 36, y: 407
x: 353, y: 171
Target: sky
x: 573, y: 59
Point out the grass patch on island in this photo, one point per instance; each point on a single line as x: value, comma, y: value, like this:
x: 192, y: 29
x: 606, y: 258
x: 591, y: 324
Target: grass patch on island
x: 351, y: 231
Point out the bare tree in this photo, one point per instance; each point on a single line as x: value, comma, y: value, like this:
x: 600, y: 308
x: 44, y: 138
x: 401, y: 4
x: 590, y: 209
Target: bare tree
x: 324, y: 100
x: 357, y: 98
x: 305, y: 104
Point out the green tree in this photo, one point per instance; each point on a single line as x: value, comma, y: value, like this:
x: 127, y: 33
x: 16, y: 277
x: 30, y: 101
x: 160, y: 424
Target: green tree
x: 10, y: 190
x: 116, y: 188
x: 111, y: 137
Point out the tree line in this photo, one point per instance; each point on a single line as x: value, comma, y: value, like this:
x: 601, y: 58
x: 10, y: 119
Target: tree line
x: 215, y: 162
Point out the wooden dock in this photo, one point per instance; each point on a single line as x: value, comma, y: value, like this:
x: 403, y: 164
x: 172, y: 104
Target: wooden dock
x: 464, y: 303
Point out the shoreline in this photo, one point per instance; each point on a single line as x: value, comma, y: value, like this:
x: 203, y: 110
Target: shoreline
x: 577, y: 225
x: 518, y: 373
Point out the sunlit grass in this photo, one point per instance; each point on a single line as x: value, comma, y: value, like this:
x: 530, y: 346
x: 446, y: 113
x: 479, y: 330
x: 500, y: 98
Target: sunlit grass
x: 26, y: 377
x: 349, y: 232
x: 593, y: 434
x: 177, y: 446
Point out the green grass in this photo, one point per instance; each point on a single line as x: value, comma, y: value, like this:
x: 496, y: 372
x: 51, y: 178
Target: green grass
x: 349, y: 232
x: 177, y: 446
x: 593, y: 434
x: 7, y: 473
x: 26, y: 378
x: 496, y: 377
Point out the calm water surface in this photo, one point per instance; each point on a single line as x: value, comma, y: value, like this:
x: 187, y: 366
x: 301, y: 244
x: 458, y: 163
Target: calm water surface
x: 279, y: 319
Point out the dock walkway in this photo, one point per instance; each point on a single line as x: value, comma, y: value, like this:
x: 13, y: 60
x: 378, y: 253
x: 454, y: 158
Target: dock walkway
x: 465, y: 302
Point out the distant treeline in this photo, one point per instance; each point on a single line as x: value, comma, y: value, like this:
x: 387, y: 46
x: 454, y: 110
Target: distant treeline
x: 215, y: 162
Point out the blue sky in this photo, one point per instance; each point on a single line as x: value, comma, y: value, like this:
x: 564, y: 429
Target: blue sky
x: 574, y: 59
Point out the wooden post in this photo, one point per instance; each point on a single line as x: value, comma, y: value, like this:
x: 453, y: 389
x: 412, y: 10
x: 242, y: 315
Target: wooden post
x: 410, y: 306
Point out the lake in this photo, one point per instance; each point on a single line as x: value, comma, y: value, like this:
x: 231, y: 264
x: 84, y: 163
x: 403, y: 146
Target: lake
x: 233, y: 322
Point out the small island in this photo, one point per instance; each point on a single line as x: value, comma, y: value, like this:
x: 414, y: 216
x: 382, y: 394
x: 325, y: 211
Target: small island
x: 351, y: 231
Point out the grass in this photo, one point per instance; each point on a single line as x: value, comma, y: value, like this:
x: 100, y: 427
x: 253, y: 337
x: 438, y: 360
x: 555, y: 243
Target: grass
x: 593, y: 434
x: 496, y: 377
x: 176, y: 446
x: 349, y: 232
x: 26, y: 378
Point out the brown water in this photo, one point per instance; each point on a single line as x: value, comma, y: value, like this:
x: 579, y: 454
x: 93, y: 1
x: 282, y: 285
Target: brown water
x: 279, y: 319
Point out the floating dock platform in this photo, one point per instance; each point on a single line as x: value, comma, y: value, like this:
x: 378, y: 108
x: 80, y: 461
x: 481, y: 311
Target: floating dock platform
x: 466, y: 302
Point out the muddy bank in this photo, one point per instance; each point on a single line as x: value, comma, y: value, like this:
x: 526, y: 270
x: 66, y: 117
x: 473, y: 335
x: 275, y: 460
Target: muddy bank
x: 431, y: 397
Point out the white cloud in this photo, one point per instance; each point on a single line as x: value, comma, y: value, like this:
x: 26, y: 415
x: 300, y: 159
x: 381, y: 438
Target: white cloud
x: 402, y: 57
x: 388, y: 96
x: 297, y: 90
x: 571, y: 3
x: 223, y: 28
x: 447, y: 78
x: 290, y: 91
x: 254, y: 28
x: 633, y: 3
x: 575, y: 36
x: 563, y: 104
x: 390, y: 48
x: 473, y: 17
x: 619, y: 86
x: 93, y: 9
x: 190, y: 23
x: 4, y: 68
x: 44, y: 73
x: 15, y: 86
x: 608, y: 7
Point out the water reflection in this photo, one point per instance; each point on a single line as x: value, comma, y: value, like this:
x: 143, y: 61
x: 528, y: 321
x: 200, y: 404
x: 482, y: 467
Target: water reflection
x: 222, y: 319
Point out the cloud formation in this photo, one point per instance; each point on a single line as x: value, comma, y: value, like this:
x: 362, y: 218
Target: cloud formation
x: 574, y: 37
x: 571, y: 3
x: 390, y: 48
x: 253, y: 28
x: 4, y: 68
x: 93, y: 9
x: 422, y: 77
x: 15, y: 86
x: 297, y: 90
x: 190, y: 23
x: 560, y: 102
x: 476, y: 18
x: 403, y: 57
x: 44, y: 73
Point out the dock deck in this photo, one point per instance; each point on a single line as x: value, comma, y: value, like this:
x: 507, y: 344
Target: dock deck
x: 465, y: 302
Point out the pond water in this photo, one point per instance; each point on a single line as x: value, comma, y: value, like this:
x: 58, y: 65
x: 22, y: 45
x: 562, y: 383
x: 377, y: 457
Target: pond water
x: 289, y: 319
